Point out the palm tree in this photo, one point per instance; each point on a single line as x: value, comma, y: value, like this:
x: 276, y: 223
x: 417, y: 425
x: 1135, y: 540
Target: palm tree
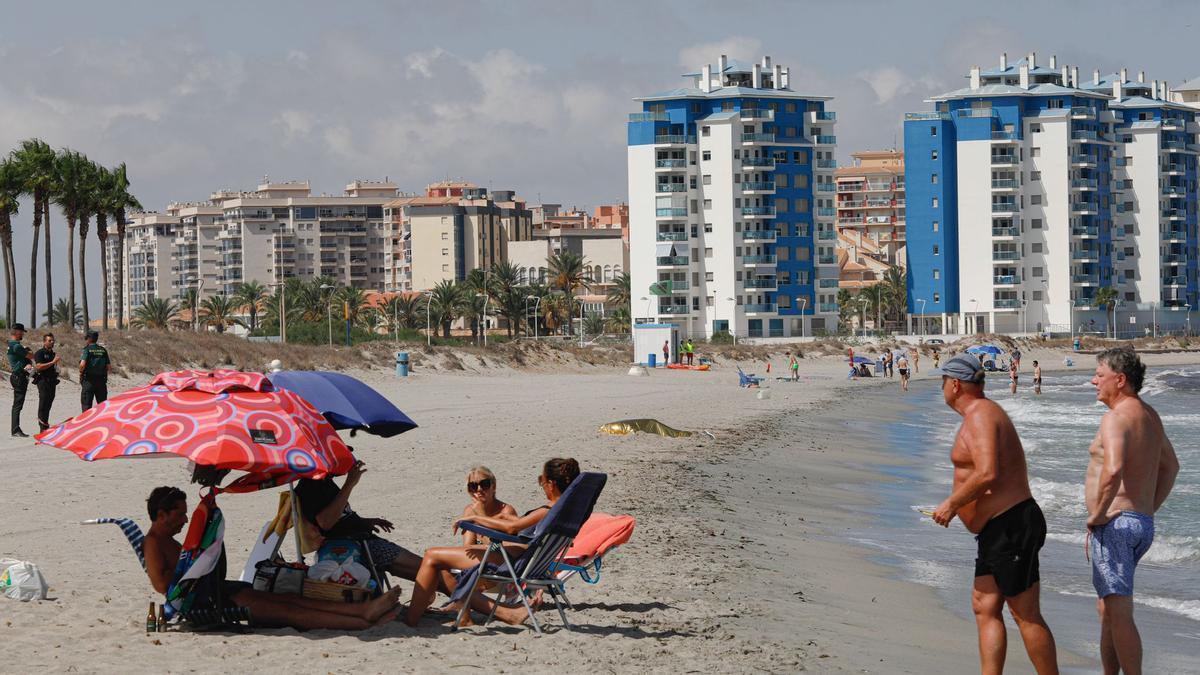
x: 354, y: 301
x: 569, y: 273
x: 93, y: 178
x: 619, y: 294
x: 873, y: 298
x: 619, y: 320
x: 190, y: 302
x: 36, y: 162
x: 251, y: 296
x: 105, y: 183
x: 120, y: 200
x: 1106, y: 297
x: 71, y: 195
x: 556, y: 311
x: 155, y: 314
x: 593, y: 323
x: 446, y: 303
x: 218, y: 310
x: 60, y: 315
x: 10, y: 194
x: 511, y: 304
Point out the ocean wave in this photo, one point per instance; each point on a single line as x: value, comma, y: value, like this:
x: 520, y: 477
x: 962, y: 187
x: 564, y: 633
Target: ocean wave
x: 1188, y: 608
x: 1166, y: 551
x: 1058, y: 498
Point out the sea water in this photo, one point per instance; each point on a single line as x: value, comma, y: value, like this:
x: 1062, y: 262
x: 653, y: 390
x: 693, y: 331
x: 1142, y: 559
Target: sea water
x: 1056, y: 429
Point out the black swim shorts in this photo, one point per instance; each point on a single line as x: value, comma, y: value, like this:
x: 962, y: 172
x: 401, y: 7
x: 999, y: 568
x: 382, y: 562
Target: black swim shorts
x: 1009, y: 545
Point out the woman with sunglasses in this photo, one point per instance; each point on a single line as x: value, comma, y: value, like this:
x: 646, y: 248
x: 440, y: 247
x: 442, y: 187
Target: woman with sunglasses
x: 481, y: 486
x: 434, y: 572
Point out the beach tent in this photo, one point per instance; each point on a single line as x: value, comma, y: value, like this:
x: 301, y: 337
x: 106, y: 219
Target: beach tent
x: 985, y: 349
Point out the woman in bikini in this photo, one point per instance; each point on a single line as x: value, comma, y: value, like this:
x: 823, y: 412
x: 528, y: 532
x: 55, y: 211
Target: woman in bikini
x: 434, y: 573
x: 481, y: 486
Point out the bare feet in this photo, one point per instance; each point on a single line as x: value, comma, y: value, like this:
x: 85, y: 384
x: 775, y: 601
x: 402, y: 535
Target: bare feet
x: 382, y: 605
x: 388, y: 616
x: 514, y: 616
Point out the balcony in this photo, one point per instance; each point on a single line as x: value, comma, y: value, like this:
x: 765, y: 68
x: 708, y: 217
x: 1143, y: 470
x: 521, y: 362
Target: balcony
x: 672, y: 309
x: 1174, y: 235
x: 827, y: 307
x: 1004, y: 207
x: 1006, y: 279
x: 1084, y: 184
x: 1005, y: 232
x: 677, y: 285
x: 1174, y: 259
x: 759, y: 211
x: 818, y: 116
x: 649, y: 117
x: 976, y: 112
x: 1174, y: 190
x: 1085, y: 208
x: 671, y: 236
x: 760, y: 114
x: 748, y: 139
x: 758, y: 186
x: 826, y: 235
x: 926, y: 116
x: 1084, y: 302
x: 1173, y: 169
x: 767, y: 284
x: 671, y: 212
x: 1004, y: 159
x: 1083, y: 161
x: 1085, y: 279
x: 759, y: 235
x: 1169, y: 124
x: 758, y: 260
x: 1085, y: 231
x: 678, y: 163
x: 1175, y: 281
x: 1083, y: 113
x: 1086, y: 255
x: 1174, y: 146
x: 1005, y: 184
x: 674, y: 139
x: 670, y: 187
x: 1174, y: 214
x: 826, y: 212
x: 768, y: 162
x: 825, y: 140
x: 1006, y: 255
x: 1004, y: 137
x: 1084, y: 136
x: 760, y: 308
x: 826, y: 163
x: 825, y: 187
x: 1006, y: 303
x: 672, y: 261
x: 827, y: 260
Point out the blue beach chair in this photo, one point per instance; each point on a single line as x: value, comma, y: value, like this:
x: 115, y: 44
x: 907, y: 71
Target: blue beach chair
x: 538, y: 567
x: 745, y: 380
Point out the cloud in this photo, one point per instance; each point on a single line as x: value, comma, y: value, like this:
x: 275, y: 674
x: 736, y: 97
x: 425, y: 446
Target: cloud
x: 890, y: 82
x: 737, y: 47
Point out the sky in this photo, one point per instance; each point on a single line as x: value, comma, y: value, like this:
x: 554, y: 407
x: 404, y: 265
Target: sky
x: 531, y: 96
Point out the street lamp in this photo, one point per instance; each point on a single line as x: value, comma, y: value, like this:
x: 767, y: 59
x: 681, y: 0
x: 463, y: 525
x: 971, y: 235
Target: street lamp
x: 536, y: 305
x: 649, y: 314
x: 196, y: 306
x: 803, y: 305
x: 921, y: 320
x: 428, y: 333
x: 329, y: 311
x: 581, y: 323
x: 1188, y: 307
x: 282, y: 310
x: 483, y: 317
x: 974, y: 315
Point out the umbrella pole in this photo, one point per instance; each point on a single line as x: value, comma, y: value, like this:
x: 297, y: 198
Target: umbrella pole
x: 296, y: 521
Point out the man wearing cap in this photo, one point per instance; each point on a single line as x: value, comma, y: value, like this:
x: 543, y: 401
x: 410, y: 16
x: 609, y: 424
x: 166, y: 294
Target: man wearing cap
x: 93, y: 372
x: 18, y: 362
x: 45, y: 378
x: 992, y: 499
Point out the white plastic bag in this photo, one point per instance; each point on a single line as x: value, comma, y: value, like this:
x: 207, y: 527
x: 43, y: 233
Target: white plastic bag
x: 323, y: 570
x: 22, y: 580
x: 351, y: 573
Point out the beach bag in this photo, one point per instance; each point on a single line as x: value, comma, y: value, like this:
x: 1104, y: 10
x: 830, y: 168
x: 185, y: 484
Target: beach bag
x: 272, y: 576
x: 340, y: 551
x: 22, y: 580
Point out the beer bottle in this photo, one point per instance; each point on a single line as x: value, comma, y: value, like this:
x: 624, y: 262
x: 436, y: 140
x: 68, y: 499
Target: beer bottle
x: 162, y: 619
x: 151, y: 622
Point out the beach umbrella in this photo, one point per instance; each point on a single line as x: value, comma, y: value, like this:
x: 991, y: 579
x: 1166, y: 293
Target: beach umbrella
x: 346, y: 402
x: 863, y: 359
x: 224, y: 419
x: 984, y: 349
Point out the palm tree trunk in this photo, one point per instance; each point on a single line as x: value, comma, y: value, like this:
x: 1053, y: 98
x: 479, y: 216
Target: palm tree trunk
x: 87, y: 317
x: 71, y: 270
x: 10, y: 266
x: 46, y: 230
x: 120, y: 215
x: 102, y: 235
x: 37, y: 225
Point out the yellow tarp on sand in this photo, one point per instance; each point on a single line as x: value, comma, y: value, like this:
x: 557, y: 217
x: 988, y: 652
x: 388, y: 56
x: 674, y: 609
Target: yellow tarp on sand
x: 646, y: 426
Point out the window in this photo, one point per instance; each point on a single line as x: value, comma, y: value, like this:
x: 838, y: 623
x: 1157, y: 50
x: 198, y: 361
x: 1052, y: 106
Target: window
x: 692, y: 182
x: 783, y: 253
x: 789, y: 107
x: 1036, y: 224
x: 1037, y: 295
x: 936, y: 226
x: 1035, y: 199
x: 708, y: 253
x: 1035, y: 247
x: 693, y: 206
x: 935, y: 202
x: 937, y: 297
x: 799, y: 157
x: 737, y: 154
x: 937, y: 274
x: 706, y: 155
x: 935, y: 249
x: 445, y: 236
x: 1035, y: 128
x: 445, y: 268
x: 801, y: 180
x: 933, y: 178
x: 781, y: 180
x: 708, y: 203
x: 708, y: 227
x: 781, y: 206
x: 1035, y: 152
x: 933, y: 155
x: 789, y: 132
x: 1128, y: 161
x: 800, y: 205
x: 708, y: 302
x: 1035, y: 175
x: 705, y: 130
x: 707, y: 179
x: 445, y: 251
x: 933, y: 131
x: 695, y: 302
x: 708, y: 276
x: 1036, y: 272
x: 1128, y: 274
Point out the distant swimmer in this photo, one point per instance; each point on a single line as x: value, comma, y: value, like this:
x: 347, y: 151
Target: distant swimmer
x: 902, y: 366
x: 1037, y: 378
x: 1130, y: 474
x: 1012, y: 375
x: 991, y: 497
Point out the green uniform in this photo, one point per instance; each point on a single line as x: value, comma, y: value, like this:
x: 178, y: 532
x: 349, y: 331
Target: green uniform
x: 94, y: 383
x: 18, y: 361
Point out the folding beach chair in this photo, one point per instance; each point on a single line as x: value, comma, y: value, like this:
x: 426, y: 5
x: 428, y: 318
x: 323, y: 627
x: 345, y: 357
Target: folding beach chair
x: 535, y: 568
x: 745, y: 380
x: 600, y: 536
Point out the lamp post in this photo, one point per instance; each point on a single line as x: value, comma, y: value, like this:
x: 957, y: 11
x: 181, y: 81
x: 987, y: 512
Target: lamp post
x: 921, y: 318
x: 1188, y: 307
x: 396, y: 317
x: 536, y: 304
x: 329, y: 311
x: 734, y: 331
x: 803, y: 305
x: 648, y: 313
x: 196, y: 308
x: 974, y: 315
x: 581, y: 323
x: 1154, y: 318
x: 428, y: 304
x: 282, y: 311
x: 483, y: 317
x: 1116, y: 304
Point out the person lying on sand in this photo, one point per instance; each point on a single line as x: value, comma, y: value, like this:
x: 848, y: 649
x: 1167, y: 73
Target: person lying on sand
x: 167, y: 507
x: 434, y: 573
x: 481, y: 486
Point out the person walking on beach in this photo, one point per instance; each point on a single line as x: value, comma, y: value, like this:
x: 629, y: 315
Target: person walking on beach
x: 691, y: 350
x: 794, y: 366
x: 18, y: 363
x: 902, y: 364
x: 1037, y: 378
x: 94, y: 367
x: 1016, y: 357
x: 1130, y: 474
x: 937, y: 358
x: 666, y: 352
x: 916, y: 359
x: 680, y: 352
x: 1012, y: 376
x: 45, y: 376
x: 991, y: 497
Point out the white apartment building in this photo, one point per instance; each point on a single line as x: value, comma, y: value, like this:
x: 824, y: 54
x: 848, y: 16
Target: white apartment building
x: 731, y: 201
x: 149, y: 246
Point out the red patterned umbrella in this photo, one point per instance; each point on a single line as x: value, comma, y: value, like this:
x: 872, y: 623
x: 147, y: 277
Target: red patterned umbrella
x: 224, y: 418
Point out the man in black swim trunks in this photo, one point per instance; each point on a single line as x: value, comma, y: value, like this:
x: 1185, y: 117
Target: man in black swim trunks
x: 992, y: 499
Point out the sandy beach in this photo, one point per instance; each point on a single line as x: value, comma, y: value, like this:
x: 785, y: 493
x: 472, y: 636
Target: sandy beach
x: 737, y: 563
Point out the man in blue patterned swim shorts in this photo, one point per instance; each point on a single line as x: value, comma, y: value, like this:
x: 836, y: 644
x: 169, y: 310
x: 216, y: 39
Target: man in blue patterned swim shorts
x: 1131, y: 472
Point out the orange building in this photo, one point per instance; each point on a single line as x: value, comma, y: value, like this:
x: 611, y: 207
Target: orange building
x: 612, y: 217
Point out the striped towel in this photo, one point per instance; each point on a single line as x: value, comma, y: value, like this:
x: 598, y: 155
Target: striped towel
x: 132, y: 532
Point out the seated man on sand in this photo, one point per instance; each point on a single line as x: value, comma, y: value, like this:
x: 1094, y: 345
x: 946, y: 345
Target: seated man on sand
x: 327, y: 506
x: 434, y: 574
x: 167, y: 507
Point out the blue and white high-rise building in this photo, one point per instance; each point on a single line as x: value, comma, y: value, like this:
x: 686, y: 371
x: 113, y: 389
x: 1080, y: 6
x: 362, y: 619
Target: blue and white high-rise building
x: 731, y: 205
x: 1029, y: 191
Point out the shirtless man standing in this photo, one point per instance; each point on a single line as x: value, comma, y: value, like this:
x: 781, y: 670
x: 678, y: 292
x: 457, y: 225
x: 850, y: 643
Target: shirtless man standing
x: 1131, y: 472
x: 992, y: 499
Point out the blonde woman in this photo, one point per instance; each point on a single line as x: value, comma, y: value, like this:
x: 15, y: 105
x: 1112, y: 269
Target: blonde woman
x: 481, y: 486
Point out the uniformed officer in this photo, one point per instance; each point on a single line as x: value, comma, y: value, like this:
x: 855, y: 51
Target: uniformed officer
x: 18, y: 361
x: 93, y: 372
x: 45, y: 376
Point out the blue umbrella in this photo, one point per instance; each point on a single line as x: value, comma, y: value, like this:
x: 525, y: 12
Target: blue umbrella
x: 346, y: 402
x: 985, y: 349
x: 863, y: 359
